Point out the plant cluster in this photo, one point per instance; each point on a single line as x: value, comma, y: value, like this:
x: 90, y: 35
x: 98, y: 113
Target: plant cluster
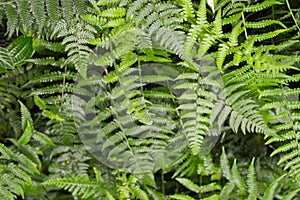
x: 149, y: 99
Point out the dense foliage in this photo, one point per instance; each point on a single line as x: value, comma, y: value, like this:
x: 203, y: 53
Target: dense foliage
x: 149, y: 99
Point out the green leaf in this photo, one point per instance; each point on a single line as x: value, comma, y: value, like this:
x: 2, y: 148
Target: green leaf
x: 42, y: 138
x: 20, y: 49
x: 25, y: 115
x: 181, y: 197
x: 225, y: 165
x: 39, y: 102
x: 109, y: 196
x: 188, y: 9
x: 251, y: 182
x: 261, y: 6
x: 189, y: 184
x: 201, y: 13
x: 114, y: 12
x: 51, y: 115
x: 221, y: 54
x: 227, y: 191
x: 25, y: 138
x: 38, y: 11
x: 291, y: 195
x: 6, y: 152
x: 270, y: 192
x: 139, y: 193
x: 237, y: 178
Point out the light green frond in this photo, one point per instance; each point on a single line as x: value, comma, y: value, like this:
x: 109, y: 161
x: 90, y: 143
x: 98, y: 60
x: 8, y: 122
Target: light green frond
x: 80, y: 185
x: 188, y: 10
x: 261, y: 6
x: 251, y: 182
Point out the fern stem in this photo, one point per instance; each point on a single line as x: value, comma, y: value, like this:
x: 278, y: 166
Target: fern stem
x: 293, y: 16
x: 273, y: 17
x: 162, y: 181
x: 244, y: 23
x: 64, y: 81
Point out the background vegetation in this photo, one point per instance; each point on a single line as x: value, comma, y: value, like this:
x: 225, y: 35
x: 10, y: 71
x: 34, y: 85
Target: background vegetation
x: 223, y: 88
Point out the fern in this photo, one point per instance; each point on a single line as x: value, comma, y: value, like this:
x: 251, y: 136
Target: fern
x: 31, y: 15
x: 170, y: 79
x: 236, y: 186
x: 188, y: 9
x: 78, y: 52
x: 17, y: 164
x: 96, y: 188
x: 80, y: 185
x: 38, y: 11
x: 52, y: 7
x: 6, y: 60
x: 285, y: 132
x: 195, y: 115
x: 261, y: 6
x: 166, y: 33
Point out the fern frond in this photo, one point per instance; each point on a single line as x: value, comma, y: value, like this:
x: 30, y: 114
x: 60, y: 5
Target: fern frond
x: 25, y: 115
x: 80, y: 6
x: 108, y: 2
x: 225, y: 165
x: 38, y: 11
x: 6, y: 61
x: 251, y: 182
x: 52, y: 8
x: 12, y: 19
x: 270, y: 192
x: 269, y: 35
x: 67, y: 8
x: 76, y: 44
x: 264, y: 23
x: 53, y: 77
x: 25, y: 15
x: 114, y: 12
x: 47, y: 61
x: 201, y: 13
x: 237, y: 178
x: 189, y: 184
x: 20, y: 49
x: 80, y: 185
x: 188, y: 10
x: 261, y: 6
x: 181, y: 197
x: 221, y: 54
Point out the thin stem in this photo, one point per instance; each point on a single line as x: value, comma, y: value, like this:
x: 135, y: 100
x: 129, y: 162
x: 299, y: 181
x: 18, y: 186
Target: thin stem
x: 273, y: 17
x: 64, y: 81
x: 162, y: 181
x: 293, y: 16
x: 244, y: 23
x: 140, y: 77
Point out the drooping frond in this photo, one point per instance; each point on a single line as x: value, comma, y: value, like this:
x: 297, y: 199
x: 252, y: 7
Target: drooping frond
x: 40, y: 15
x: 196, y: 102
